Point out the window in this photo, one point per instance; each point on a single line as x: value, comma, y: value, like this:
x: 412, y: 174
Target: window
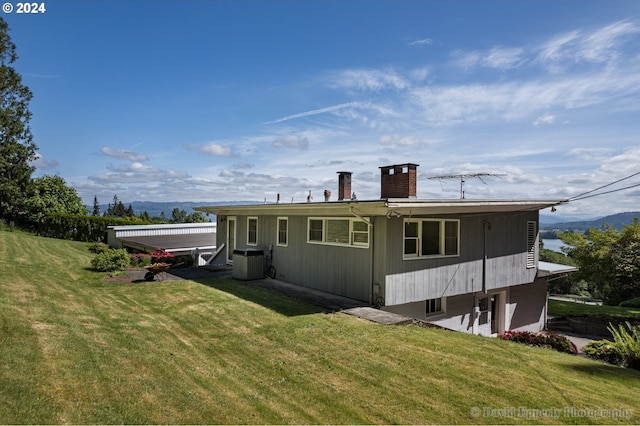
x: 283, y: 231
x: 252, y: 231
x: 360, y: 233
x: 531, y: 244
x: 431, y: 237
x: 315, y: 230
x: 435, y: 306
x: 337, y: 231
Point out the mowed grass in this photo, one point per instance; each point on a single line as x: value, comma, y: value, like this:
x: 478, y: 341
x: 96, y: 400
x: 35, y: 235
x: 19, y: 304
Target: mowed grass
x: 76, y: 349
x: 567, y: 309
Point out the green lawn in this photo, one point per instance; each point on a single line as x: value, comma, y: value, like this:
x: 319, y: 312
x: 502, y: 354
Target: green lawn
x: 75, y: 349
x: 564, y: 309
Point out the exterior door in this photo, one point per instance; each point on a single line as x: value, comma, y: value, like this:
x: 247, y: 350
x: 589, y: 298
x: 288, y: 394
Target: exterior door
x: 489, y: 313
x: 231, y: 238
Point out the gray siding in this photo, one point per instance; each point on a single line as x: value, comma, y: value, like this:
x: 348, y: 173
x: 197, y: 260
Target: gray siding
x: 340, y: 270
x: 380, y: 270
x: 419, y: 279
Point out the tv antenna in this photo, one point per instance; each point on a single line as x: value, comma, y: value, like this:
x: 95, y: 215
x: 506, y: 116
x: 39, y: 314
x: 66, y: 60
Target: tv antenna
x: 482, y: 176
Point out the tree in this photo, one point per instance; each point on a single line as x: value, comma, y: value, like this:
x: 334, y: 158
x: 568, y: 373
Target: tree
x: 609, y: 260
x: 96, y: 206
x: 197, y: 217
x: 17, y: 148
x: 178, y: 216
x: 116, y: 209
x: 51, y: 194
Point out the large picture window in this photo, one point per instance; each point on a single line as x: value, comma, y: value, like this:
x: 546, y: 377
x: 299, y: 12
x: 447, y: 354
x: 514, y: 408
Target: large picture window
x: 431, y: 238
x: 338, y: 231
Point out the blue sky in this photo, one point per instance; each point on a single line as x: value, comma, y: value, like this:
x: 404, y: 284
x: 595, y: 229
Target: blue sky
x: 171, y: 100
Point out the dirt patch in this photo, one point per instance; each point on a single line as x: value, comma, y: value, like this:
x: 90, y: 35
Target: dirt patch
x: 129, y: 276
x: 137, y: 275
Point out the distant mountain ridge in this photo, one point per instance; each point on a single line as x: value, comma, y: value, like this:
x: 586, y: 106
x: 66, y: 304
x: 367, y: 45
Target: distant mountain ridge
x: 618, y: 220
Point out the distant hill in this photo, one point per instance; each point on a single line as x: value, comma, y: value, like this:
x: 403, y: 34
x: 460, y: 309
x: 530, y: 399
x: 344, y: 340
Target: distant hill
x: 618, y: 220
x: 554, y: 218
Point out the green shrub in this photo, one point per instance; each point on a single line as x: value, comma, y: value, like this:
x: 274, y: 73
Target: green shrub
x: 551, y: 341
x: 184, y: 261
x: 631, y: 303
x: 603, y: 350
x: 111, y: 260
x: 98, y: 248
x: 627, y: 341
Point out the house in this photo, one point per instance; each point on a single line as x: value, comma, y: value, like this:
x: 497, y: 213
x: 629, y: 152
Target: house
x: 467, y: 265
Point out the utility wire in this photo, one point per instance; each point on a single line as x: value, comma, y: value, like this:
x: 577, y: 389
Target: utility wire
x: 581, y: 196
x: 603, y: 193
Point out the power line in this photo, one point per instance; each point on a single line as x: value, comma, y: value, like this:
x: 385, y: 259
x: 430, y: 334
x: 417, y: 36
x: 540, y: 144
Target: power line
x: 603, y: 193
x: 581, y: 196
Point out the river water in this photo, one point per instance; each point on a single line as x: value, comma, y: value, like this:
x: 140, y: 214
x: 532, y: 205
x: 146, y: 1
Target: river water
x: 553, y: 244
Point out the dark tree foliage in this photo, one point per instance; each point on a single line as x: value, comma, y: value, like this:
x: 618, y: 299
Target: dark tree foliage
x: 17, y: 148
x: 609, y: 259
x: 96, y: 207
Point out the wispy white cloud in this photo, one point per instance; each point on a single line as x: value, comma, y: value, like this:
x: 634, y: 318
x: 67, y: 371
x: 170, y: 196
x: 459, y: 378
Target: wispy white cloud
x: 214, y: 149
x: 579, y: 46
x: 590, y: 154
x: 544, y: 119
x: 397, y: 140
x: 123, y: 154
x: 421, y: 42
x: 42, y: 163
x: 291, y: 142
x: 314, y: 112
x: 368, y: 80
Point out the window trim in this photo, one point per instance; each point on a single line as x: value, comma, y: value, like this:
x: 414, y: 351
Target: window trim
x: 351, y: 232
x: 286, y: 231
x: 418, y: 238
x: 249, y: 219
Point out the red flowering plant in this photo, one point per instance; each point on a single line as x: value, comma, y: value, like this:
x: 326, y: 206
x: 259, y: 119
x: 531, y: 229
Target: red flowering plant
x: 544, y: 340
x: 159, y: 256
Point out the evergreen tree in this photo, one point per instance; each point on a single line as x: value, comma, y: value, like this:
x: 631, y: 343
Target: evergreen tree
x: 96, y: 206
x: 17, y: 148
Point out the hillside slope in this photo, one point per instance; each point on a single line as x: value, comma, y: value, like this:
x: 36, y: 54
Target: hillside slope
x: 618, y: 220
x: 77, y: 349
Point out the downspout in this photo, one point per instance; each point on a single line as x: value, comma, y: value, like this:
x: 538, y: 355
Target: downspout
x: 486, y: 225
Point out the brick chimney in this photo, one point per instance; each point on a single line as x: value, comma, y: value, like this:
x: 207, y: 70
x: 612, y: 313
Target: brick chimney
x: 344, y: 186
x: 398, y: 181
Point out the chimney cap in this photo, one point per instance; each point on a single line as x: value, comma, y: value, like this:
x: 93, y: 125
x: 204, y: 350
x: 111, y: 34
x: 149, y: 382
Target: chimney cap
x: 399, y: 165
x: 345, y: 173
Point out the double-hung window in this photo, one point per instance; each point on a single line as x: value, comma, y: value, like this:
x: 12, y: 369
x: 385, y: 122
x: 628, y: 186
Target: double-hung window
x: 431, y: 238
x: 252, y: 231
x: 338, y: 231
x: 283, y: 231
